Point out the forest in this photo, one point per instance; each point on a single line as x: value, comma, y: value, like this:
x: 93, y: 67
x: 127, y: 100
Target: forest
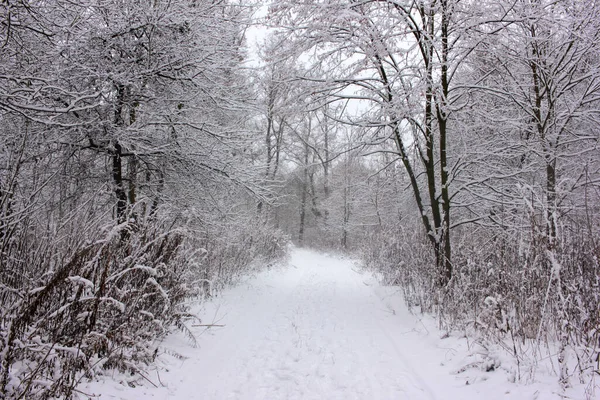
x: 154, y: 151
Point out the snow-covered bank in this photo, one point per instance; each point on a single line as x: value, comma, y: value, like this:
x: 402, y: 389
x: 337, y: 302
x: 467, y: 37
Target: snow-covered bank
x: 319, y: 329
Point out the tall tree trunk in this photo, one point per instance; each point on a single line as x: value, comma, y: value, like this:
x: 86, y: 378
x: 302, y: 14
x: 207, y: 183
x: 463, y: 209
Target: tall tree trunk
x: 541, y: 122
x: 304, y: 190
x: 346, y: 216
x: 117, y: 158
x: 326, y: 149
x: 304, y: 194
x: 442, y: 116
x: 117, y: 174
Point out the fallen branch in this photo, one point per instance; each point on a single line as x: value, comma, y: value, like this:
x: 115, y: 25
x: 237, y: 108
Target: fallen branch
x: 146, y: 378
x: 209, y: 325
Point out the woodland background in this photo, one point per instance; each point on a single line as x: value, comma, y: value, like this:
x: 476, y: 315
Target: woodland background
x: 148, y: 159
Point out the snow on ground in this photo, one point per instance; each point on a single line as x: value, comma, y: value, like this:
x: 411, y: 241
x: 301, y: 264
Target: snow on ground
x: 318, y: 328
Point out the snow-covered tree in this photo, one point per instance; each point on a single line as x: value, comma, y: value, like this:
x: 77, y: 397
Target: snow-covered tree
x: 126, y: 184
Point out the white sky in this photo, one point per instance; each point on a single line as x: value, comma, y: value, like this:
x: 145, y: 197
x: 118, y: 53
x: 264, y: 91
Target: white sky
x: 256, y: 34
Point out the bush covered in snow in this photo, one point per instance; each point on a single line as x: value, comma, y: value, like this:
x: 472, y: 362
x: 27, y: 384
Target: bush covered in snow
x: 506, y: 290
x: 68, y: 313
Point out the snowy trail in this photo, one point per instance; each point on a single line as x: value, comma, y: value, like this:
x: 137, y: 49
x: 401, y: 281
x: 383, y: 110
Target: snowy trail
x: 314, y: 329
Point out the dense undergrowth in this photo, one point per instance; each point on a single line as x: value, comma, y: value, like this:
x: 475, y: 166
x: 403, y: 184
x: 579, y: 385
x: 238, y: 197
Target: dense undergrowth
x: 72, y: 309
x: 533, y: 301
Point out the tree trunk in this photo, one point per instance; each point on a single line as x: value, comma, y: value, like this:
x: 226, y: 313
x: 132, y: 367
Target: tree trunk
x: 303, y: 189
x: 303, y: 195
x: 442, y: 115
x: 117, y: 158
x: 117, y: 173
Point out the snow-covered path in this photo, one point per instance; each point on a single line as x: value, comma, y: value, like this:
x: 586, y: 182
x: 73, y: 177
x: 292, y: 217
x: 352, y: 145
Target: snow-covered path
x: 314, y: 329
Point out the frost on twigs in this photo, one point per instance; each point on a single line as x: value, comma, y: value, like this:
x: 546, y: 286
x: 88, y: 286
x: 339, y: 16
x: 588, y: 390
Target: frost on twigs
x: 100, y: 309
x: 111, y: 302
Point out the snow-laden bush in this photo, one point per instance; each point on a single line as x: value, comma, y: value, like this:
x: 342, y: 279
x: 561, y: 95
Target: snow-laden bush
x: 101, y: 305
x: 106, y: 304
x: 525, y: 291
x: 404, y: 261
x: 513, y: 291
x: 237, y: 246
